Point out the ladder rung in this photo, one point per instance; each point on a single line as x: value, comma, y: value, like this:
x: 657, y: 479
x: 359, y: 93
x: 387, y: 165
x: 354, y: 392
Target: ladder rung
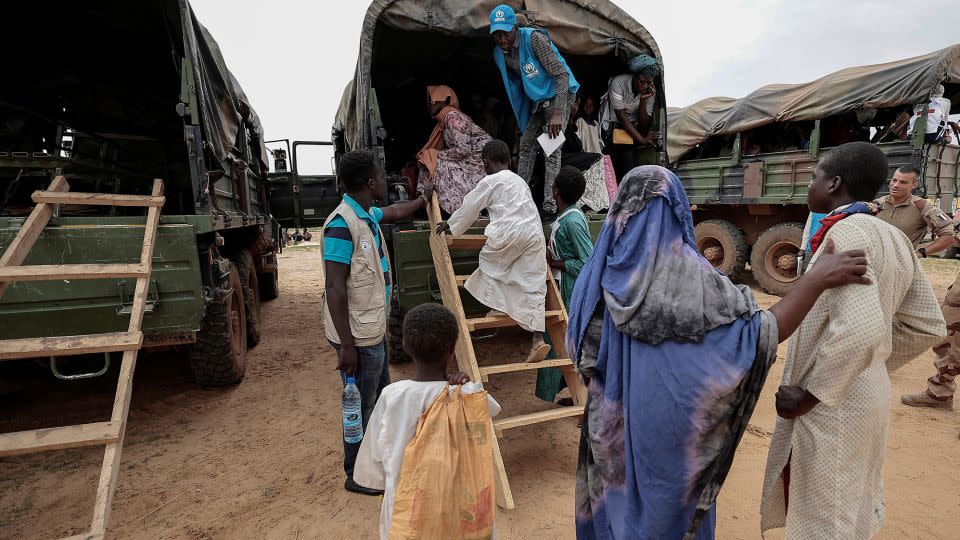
x: 523, y: 366
x: 483, y: 323
x: 39, y: 440
x: 461, y: 280
x: 69, y: 345
x: 98, y: 199
x: 85, y: 536
x: 466, y: 241
x: 72, y: 271
x: 537, y: 417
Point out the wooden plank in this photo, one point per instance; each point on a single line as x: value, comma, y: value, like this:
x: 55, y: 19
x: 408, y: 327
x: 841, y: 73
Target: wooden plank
x: 450, y: 294
x: 97, y: 199
x: 110, y: 471
x: 524, y: 366
x: 537, y: 417
x: 69, y: 345
x: 466, y: 241
x: 483, y: 323
x: 23, y: 242
x: 461, y: 280
x: 51, y: 272
x: 86, y: 536
x: 41, y: 440
x: 504, y: 494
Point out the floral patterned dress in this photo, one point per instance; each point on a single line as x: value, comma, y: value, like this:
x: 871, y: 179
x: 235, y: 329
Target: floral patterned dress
x: 459, y: 166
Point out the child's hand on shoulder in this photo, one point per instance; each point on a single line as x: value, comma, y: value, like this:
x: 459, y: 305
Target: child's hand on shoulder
x: 458, y: 377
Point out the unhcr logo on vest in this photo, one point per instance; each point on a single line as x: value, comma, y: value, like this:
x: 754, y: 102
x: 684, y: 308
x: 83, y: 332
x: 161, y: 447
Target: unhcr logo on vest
x: 531, y: 70
x: 500, y: 16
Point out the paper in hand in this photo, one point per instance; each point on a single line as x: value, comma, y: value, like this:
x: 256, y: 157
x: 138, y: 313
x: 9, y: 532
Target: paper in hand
x: 550, y: 145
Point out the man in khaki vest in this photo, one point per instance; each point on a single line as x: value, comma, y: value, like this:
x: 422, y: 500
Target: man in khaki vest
x: 357, y: 270
x: 914, y: 215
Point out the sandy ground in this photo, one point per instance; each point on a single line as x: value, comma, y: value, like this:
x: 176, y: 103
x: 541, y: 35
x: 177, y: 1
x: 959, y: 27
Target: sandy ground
x: 263, y: 459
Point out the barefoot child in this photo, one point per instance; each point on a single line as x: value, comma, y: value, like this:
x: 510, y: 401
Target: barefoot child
x: 429, y: 336
x: 511, y: 279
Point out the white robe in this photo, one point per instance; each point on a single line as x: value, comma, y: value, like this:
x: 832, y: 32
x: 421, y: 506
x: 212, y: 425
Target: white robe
x: 841, y: 354
x: 390, y: 429
x: 513, y: 264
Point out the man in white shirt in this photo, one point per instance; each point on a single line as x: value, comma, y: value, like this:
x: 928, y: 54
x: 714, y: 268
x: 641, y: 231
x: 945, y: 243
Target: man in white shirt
x: 938, y: 112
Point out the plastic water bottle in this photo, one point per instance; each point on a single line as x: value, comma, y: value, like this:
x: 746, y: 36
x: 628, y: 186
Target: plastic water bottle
x: 352, y: 420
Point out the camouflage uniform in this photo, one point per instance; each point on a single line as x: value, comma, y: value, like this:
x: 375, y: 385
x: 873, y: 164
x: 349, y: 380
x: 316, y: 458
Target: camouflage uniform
x: 914, y: 216
x: 942, y: 385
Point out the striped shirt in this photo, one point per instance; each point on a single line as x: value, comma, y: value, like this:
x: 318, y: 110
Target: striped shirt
x: 338, y: 244
x: 540, y: 44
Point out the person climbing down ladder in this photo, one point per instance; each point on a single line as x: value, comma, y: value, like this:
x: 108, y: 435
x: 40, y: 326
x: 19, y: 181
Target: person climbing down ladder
x: 521, y: 264
x: 513, y: 260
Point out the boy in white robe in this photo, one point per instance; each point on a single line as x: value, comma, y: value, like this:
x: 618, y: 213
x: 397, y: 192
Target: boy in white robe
x: 429, y: 337
x: 511, y: 279
x: 824, y: 470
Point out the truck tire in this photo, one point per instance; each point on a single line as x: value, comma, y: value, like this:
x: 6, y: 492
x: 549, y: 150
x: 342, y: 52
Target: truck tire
x: 395, y: 333
x: 250, y: 285
x: 219, y: 356
x: 723, y: 245
x: 269, y: 286
x: 774, y: 257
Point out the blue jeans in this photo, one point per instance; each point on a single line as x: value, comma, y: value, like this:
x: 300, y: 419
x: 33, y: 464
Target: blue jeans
x: 372, y: 375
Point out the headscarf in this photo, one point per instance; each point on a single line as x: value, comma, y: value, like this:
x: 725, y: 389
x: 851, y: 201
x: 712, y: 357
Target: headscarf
x: 646, y: 64
x: 937, y: 92
x: 660, y: 287
x: 429, y: 153
x: 677, y: 356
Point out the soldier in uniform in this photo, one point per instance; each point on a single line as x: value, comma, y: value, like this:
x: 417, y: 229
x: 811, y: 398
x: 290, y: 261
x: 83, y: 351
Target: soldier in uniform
x: 913, y: 215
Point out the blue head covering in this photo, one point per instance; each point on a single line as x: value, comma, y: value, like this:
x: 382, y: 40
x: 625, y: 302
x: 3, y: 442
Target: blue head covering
x: 502, y: 18
x: 676, y: 355
x: 644, y: 63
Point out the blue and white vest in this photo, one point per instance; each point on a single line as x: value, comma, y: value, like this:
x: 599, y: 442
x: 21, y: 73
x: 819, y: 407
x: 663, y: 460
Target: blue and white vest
x: 536, y: 85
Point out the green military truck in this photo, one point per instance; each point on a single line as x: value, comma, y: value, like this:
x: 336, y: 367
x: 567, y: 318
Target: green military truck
x: 746, y: 163
x: 406, y: 45
x: 112, y: 97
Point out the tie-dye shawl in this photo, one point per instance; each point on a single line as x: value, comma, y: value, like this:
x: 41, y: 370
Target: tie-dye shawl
x: 677, y: 356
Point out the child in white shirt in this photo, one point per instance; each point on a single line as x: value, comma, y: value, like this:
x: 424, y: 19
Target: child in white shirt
x: 429, y: 336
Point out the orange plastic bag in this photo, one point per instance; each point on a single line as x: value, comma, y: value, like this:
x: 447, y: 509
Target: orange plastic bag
x: 446, y: 485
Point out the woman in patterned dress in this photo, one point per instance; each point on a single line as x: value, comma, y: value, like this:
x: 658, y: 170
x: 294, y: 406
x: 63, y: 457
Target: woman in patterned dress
x: 451, y: 157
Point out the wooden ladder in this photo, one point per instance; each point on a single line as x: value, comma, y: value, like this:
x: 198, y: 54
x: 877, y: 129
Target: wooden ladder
x: 108, y: 433
x: 556, y: 328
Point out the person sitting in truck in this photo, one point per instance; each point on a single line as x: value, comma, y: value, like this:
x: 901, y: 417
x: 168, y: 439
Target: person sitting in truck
x: 938, y: 111
x: 628, y: 116
x: 541, y: 89
x: 357, y: 284
x: 451, y: 157
x: 512, y: 277
x: 573, y: 154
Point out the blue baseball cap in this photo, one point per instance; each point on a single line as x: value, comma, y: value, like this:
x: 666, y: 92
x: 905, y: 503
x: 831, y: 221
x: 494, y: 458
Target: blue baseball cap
x: 502, y: 19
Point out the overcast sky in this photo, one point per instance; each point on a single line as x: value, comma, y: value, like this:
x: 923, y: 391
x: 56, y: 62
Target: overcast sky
x: 293, y: 58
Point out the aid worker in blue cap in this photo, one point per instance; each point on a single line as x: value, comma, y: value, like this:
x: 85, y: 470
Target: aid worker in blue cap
x: 541, y: 89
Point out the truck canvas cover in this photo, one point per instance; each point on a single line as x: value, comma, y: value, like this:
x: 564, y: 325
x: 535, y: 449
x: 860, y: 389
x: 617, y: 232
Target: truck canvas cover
x: 581, y: 27
x: 123, y: 47
x: 880, y: 86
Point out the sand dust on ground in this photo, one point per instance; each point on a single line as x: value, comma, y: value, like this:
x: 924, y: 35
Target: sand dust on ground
x: 263, y: 459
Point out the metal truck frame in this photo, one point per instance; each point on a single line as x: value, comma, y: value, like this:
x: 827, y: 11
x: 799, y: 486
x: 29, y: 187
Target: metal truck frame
x: 749, y: 206
x: 144, y: 94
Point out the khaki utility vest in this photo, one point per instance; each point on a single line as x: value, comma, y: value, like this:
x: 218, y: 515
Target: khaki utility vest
x: 366, y: 285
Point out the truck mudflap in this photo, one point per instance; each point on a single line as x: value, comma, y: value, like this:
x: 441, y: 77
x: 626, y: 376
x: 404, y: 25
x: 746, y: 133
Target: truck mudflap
x: 175, y: 303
